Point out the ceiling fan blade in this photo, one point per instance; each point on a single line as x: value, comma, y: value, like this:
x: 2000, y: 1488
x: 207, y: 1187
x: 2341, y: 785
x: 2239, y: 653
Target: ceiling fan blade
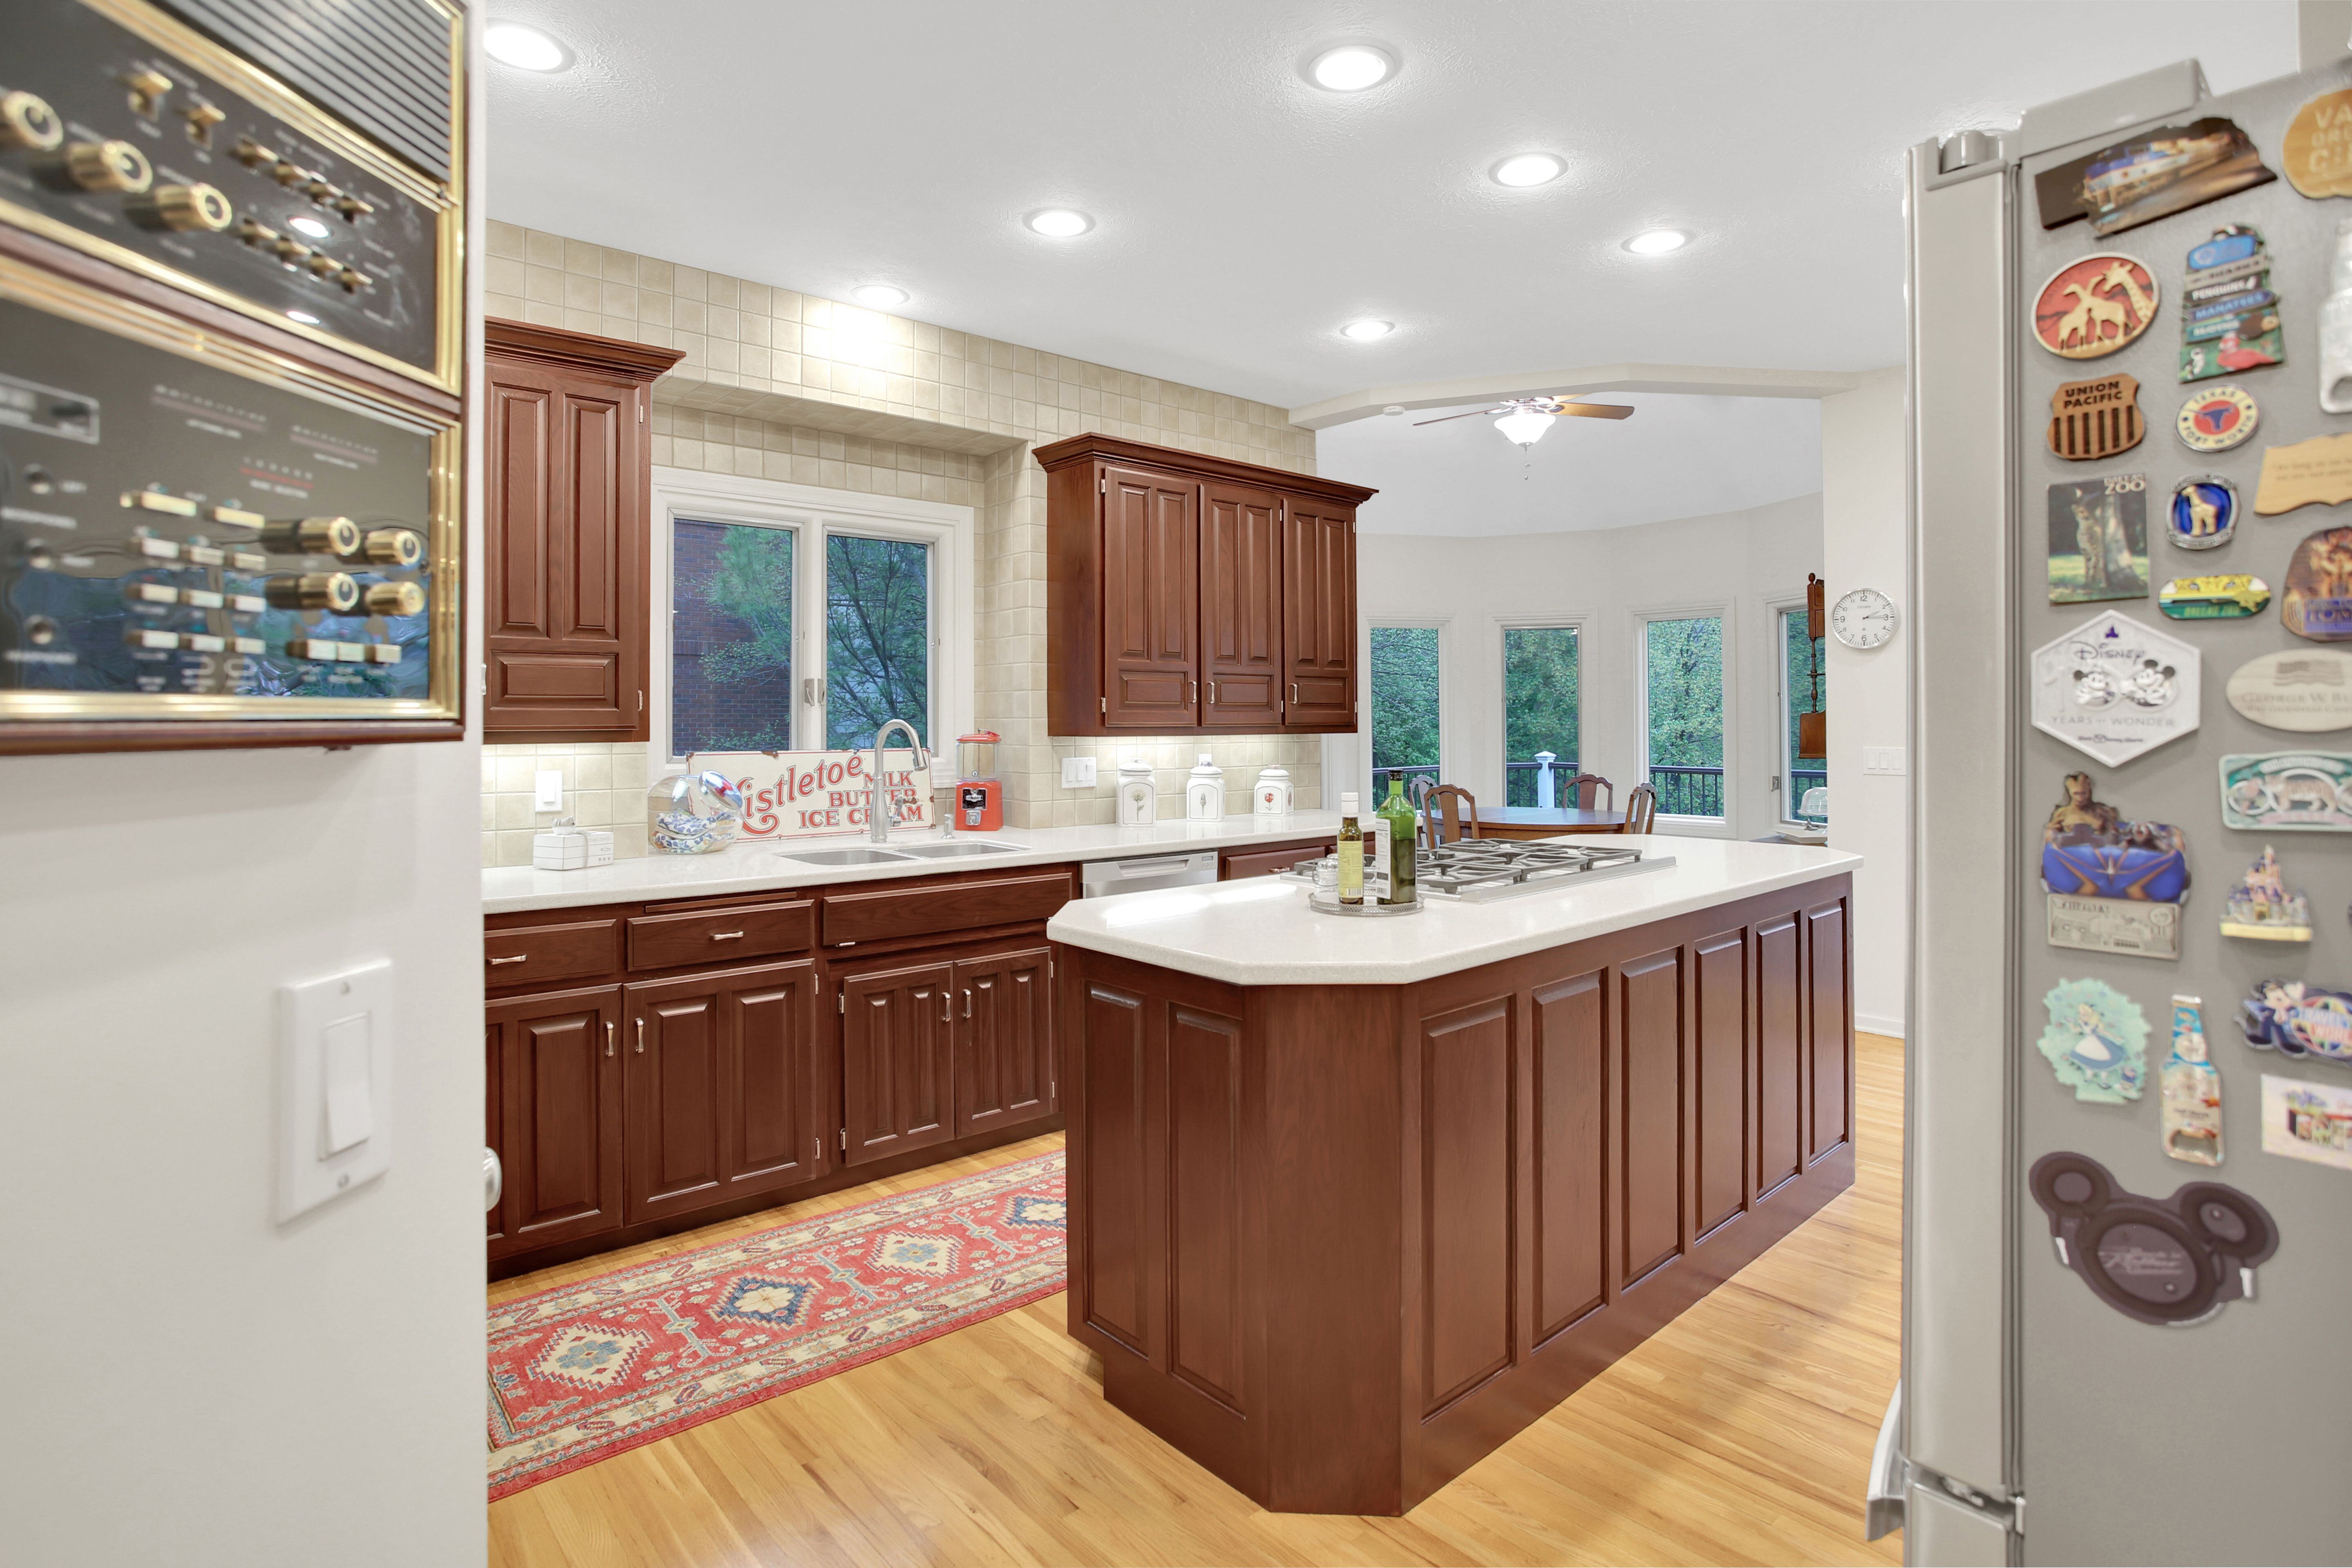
x: 1472, y: 414
x: 1593, y: 411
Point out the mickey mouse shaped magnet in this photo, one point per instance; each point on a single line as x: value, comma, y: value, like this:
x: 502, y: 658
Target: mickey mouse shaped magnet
x: 2173, y: 1261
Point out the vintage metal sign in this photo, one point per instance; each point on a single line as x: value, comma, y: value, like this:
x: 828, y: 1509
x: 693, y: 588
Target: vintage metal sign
x: 2293, y: 792
x: 2113, y: 689
x: 816, y: 795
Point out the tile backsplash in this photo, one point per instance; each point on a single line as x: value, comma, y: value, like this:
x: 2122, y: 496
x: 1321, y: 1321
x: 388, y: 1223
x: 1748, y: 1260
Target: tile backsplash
x: 603, y: 787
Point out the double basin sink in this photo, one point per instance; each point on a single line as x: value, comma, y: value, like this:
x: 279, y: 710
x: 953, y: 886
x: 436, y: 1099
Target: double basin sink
x: 947, y: 849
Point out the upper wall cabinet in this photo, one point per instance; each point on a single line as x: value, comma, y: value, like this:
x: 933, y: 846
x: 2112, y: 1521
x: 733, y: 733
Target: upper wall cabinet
x: 567, y: 481
x: 1191, y: 594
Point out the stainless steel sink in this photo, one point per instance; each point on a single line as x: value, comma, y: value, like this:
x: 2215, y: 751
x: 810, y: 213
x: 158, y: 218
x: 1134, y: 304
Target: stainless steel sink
x: 942, y: 851
x: 845, y: 856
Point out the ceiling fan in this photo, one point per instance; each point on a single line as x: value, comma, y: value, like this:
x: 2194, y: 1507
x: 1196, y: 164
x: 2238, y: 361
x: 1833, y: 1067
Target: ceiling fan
x: 1525, y: 419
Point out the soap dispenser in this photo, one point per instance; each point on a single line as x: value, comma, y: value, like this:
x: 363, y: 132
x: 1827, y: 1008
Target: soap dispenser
x: 1204, y: 792
x: 1138, y: 799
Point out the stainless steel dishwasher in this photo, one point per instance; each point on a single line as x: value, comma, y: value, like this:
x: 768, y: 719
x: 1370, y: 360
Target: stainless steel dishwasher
x: 1099, y: 879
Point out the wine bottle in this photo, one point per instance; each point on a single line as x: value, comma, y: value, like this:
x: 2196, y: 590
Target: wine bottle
x: 1398, y: 831
x: 1351, y: 851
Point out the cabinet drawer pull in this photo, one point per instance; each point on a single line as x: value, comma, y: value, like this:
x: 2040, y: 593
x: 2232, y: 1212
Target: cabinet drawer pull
x: 611, y: 1029
x: 1294, y: 694
x: 641, y: 1036
x: 518, y: 958
x: 727, y: 936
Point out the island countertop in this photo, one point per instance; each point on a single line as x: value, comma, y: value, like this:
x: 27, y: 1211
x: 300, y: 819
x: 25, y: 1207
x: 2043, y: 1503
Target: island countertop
x: 761, y: 865
x: 1260, y: 932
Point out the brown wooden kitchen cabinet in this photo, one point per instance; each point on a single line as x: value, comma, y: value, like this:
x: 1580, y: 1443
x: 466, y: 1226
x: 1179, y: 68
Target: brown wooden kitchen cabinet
x: 1003, y: 1040
x: 721, y: 1086
x: 567, y: 478
x: 1189, y: 593
x: 938, y: 1050
x: 554, y: 1069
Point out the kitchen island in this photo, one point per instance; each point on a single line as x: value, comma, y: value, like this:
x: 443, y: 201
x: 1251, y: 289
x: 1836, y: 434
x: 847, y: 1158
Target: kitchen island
x: 1352, y: 1201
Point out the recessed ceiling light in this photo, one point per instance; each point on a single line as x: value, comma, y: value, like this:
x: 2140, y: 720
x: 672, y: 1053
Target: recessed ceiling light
x: 879, y: 296
x: 308, y: 225
x: 525, y: 48
x: 1351, y: 68
x: 1059, y: 222
x: 304, y: 317
x: 1364, y: 332
x: 1527, y: 169
x: 1657, y: 241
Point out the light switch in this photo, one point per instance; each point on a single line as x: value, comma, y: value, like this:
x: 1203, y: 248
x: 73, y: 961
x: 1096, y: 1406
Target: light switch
x: 1077, y: 772
x: 547, y: 790
x: 334, y: 1056
x: 1882, y: 759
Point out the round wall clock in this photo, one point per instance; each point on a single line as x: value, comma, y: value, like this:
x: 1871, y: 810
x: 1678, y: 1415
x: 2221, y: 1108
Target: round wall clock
x: 1863, y: 618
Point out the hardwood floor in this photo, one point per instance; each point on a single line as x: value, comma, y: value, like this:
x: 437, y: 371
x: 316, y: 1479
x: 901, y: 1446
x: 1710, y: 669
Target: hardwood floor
x: 1741, y: 1432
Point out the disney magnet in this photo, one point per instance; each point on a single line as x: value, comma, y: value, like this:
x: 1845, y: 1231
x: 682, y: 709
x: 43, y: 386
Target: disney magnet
x: 2168, y: 1261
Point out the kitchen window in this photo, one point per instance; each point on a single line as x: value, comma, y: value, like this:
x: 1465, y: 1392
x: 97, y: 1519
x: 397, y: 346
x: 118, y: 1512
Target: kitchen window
x: 1682, y: 714
x: 805, y: 628
x: 1802, y: 689
x: 1540, y: 694
x: 1407, y: 736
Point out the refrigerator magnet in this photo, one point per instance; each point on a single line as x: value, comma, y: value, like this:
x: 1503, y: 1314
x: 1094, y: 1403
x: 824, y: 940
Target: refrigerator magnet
x: 2261, y: 909
x: 2191, y: 1091
x: 2097, y: 418
x: 2316, y: 599
x: 2203, y: 513
x: 2227, y: 597
x: 2112, y: 885
x: 2093, y: 307
x: 2229, y: 316
x: 2307, y: 1122
x: 2168, y: 1261
x: 2317, y: 472
x: 2308, y: 691
x: 2154, y: 175
x: 2291, y: 792
x: 2217, y: 419
x: 2298, y: 1019
x: 2317, y: 150
x: 2099, y: 538
x: 2096, y: 1041
x: 2113, y: 689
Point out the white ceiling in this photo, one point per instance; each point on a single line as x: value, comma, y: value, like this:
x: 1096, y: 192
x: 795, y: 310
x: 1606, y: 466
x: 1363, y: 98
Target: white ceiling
x: 1677, y: 456
x: 1243, y: 215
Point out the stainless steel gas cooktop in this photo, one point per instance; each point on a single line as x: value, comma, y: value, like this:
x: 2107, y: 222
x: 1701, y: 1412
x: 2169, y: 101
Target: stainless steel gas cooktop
x: 1476, y: 869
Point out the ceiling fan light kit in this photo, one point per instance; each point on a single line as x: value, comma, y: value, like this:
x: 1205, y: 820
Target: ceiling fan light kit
x: 1525, y: 419
x: 1524, y: 427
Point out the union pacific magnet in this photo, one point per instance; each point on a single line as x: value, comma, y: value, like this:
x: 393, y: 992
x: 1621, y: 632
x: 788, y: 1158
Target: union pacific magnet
x: 2093, y: 307
x: 2217, y: 419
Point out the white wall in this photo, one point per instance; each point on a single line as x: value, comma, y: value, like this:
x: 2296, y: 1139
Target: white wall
x: 1738, y: 564
x: 1864, y: 536
x: 188, y: 1382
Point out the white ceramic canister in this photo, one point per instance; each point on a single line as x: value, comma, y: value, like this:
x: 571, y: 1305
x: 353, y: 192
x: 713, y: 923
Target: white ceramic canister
x: 1205, y: 792
x: 1138, y: 800
x: 1272, y: 796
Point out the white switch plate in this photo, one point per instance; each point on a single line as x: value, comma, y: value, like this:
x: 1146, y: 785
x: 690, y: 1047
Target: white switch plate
x: 334, y: 1082
x: 547, y: 790
x: 1882, y: 759
x: 1077, y: 772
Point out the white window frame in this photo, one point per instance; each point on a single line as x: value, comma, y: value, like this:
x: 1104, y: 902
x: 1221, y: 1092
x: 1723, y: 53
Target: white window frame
x: 1721, y: 609
x: 1785, y: 807
x: 1449, y: 765
x: 1501, y: 715
x: 812, y: 513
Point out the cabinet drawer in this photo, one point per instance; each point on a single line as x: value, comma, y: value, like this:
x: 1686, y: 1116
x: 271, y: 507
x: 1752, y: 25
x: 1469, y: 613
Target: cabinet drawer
x: 583, y: 950
x: 722, y: 936
x: 1269, y: 862
x: 954, y: 906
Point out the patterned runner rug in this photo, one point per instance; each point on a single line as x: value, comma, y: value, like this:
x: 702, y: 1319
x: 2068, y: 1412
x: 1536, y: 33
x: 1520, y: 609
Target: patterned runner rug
x: 586, y: 1371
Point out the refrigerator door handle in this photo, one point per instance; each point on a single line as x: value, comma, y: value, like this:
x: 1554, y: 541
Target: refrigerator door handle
x: 1890, y: 1474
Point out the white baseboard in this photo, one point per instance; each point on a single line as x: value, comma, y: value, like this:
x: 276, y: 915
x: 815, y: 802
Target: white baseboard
x: 1873, y: 1024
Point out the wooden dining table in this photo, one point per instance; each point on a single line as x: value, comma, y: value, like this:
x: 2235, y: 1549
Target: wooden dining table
x: 1545, y: 821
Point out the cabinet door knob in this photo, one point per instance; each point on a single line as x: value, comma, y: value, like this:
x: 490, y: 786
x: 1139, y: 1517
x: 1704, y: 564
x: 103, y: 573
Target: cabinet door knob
x: 641, y: 1036
x: 518, y: 958
x: 611, y: 1030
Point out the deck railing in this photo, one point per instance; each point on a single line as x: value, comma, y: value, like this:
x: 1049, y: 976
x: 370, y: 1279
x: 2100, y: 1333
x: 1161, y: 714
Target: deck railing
x: 1687, y: 791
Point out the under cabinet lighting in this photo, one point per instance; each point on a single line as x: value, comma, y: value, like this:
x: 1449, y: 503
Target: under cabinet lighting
x: 1351, y: 68
x: 879, y: 296
x: 1523, y: 169
x: 1657, y: 241
x: 525, y: 48
x: 1059, y: 222
x: 1365, y: 332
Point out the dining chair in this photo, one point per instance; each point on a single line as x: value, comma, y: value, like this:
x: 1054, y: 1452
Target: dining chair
x: 1584, y: 789
x: 1642, y: 810
x: 1448, y: 807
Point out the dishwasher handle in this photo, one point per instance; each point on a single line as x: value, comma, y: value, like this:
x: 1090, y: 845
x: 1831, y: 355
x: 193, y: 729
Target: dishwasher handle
x: 1101, y: 877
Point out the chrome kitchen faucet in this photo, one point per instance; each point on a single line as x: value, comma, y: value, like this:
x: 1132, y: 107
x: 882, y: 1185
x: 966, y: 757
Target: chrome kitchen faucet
x: 878, y: 820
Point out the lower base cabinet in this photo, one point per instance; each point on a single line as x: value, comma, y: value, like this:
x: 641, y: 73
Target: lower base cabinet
x: 1004, y: 1040
x: 554, y: 1070
x: 932, y: 1052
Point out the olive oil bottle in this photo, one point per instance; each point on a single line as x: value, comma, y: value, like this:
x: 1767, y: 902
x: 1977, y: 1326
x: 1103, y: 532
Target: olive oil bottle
x: 1398, y: 833
x: 1351, y: 851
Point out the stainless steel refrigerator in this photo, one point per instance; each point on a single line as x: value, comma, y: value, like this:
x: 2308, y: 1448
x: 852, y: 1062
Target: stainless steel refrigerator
x: 2036, y: 1423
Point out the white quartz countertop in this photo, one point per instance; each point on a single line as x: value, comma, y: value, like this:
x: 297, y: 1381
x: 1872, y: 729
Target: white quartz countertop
x: 1259, y: 930
x: 751, y: 867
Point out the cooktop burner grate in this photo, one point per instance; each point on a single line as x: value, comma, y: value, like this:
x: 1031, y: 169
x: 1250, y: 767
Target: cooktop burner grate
x: 1476, y: 870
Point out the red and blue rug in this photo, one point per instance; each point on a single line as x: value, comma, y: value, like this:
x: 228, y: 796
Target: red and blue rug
x: 587, y: 1371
